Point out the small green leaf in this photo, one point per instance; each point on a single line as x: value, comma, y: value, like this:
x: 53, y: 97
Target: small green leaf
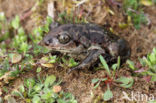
x: 95, y: 80
x: 21, y: 89
x: 131, y: 65
x: 38, y: 69
x: 153, y: 78
x: 39, y: 49
x: 147, y: 61
x: 24, y: 47
x: 5, y: 90
x: 72, y: 62
x: 114, y: 66
x: 64, y: 60
x: 49, y: 20
x: 36, y: 99
x: 152, y: 58
x: 126, y: 82
x: 16, y: 22
x: 30, y: 82
x: 150, y: 73
x: 37, y: 87
x: 45, y: 59
x: 52, y: 59
x: 97, y: 85
x: 105, y: 65
x: 17, y: 93
x: 47, y: 95
x: 154, y: 50
x: 104, y: 79
x: 142, y: 62
x: 21, y: 31
x: 107, y: 95
x: 28, y: 100
x: 49, y: 80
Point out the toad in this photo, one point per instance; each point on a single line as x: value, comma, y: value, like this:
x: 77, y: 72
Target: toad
x: 86, y: 42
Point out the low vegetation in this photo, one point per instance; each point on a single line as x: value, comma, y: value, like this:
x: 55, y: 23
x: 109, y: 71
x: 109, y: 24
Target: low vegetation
x: 110, y: 79
x: 43, y: 90
x: 146, y: 66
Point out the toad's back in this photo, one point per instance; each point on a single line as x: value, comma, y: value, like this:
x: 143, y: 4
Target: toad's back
x: 90, y: 33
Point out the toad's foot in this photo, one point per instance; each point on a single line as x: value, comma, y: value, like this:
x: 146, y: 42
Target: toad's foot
x: 90, y: 59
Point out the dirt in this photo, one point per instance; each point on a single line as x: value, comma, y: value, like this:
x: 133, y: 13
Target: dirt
x: 79, y: 82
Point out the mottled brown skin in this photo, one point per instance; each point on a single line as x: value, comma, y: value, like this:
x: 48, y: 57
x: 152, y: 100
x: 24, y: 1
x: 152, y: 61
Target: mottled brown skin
x: 86, y: 42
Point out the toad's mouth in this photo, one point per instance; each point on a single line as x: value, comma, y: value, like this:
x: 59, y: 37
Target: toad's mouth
x: 59, y: 49
x: 74, y: 51
x: 78, y: 55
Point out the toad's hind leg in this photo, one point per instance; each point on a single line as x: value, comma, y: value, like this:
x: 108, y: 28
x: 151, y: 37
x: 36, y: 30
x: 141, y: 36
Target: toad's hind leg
x: 90, y: 59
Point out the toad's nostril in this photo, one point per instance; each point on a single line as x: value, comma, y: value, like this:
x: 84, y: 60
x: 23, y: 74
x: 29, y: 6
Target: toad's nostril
x: 48, y: 41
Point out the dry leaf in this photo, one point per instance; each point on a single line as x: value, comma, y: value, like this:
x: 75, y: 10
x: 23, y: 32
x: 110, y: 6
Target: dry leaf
x: 110, y: 11
x: 146, y: 2
x: 5, y: 78
x: 48, y: 65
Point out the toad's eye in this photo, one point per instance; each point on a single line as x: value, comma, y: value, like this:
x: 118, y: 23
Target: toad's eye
x: 63, y: 39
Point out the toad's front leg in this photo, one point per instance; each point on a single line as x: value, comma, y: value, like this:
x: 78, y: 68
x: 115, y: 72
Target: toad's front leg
x: 90, y: 59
